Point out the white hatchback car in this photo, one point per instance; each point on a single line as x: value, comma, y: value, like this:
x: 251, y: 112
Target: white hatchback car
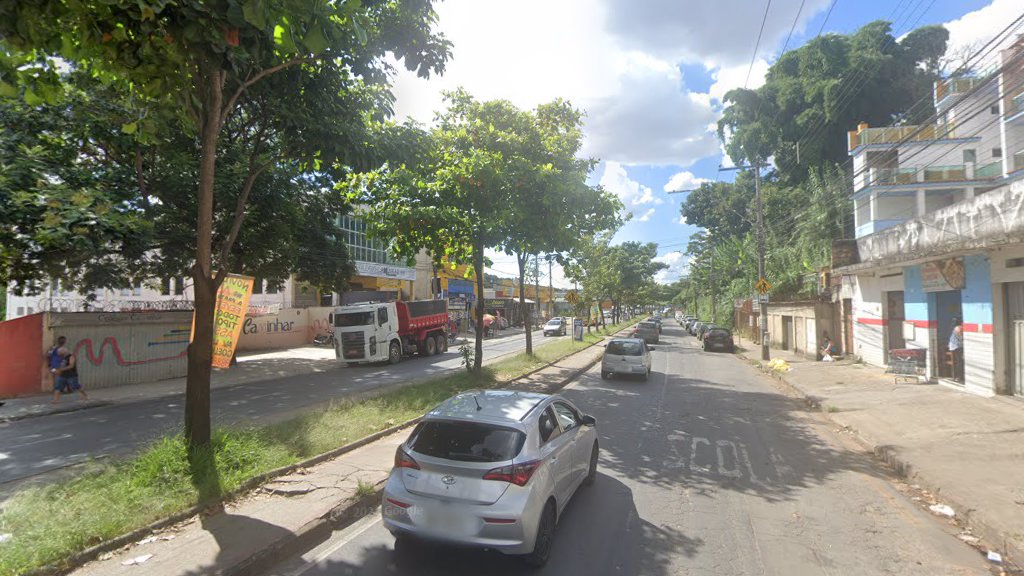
x: 492, y: 469
x: 627, y: 356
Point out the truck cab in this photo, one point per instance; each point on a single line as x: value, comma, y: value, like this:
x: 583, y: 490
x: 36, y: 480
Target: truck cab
x: 386, y: 331
x: 364, y: 332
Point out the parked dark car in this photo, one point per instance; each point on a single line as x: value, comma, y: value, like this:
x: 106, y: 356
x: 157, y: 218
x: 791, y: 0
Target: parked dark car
x: 719, y: 339
x: 703, y: 329
x: 695, y: 327
x: 656, y: 320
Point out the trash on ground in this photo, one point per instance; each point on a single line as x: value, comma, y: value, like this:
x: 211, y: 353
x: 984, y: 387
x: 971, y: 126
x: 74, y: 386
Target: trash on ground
x: 942, y: 510
x: 780, y: 365
x: 137, y: 560
x: 148, y: 540
x: 969, y: 539
x: 995, y: 557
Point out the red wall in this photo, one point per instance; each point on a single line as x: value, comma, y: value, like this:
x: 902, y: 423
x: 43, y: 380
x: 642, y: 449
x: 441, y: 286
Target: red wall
x: 21, y: 356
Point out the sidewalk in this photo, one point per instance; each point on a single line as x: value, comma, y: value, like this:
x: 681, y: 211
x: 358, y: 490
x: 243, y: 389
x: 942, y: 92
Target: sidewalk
x: 291, y: 512
x: 251, y: 367
x: 966, y: 450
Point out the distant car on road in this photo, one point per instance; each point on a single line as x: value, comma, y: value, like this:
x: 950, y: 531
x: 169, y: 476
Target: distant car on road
x: 657, y: 320
x: 627, y: 356
x: 647, y: 331
x: 719, y: 339
x: 491, y: 469
x: 555, y: 327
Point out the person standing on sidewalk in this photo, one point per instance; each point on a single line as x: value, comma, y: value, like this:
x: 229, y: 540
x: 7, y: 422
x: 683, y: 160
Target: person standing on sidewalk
x: 66, y: 377
x: 956, y: 347
x: 53, y: 359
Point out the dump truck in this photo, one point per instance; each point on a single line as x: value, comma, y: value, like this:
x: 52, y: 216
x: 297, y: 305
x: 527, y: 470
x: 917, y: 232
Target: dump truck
x: 387, y: 331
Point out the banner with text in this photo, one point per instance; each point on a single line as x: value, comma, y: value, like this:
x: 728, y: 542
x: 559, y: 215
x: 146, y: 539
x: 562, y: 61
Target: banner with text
x: 232, y: 304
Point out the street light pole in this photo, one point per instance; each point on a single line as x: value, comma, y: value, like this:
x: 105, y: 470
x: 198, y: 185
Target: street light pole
x: 765, y: 354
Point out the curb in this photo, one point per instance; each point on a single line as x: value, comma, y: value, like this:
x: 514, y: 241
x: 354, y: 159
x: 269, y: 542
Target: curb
x: 903, y: 468
x: 55, y: 411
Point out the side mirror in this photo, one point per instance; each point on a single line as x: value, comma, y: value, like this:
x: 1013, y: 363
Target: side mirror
x: 587, y: 420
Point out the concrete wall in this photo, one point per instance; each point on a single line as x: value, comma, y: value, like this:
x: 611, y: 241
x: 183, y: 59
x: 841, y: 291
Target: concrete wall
x: 21, y: 355
x: 810, y: 321
x: 869, y: 322
x: 979, y: 367
x: 288, y: 328
x: 119, y: 348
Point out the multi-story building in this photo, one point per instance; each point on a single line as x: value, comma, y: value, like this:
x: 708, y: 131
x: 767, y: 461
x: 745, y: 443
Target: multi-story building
x: 939, y: 214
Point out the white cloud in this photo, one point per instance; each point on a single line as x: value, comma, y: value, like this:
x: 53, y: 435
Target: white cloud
x: 684, y: 180
x: 681, y: 220
x: 730, y: 77
x: 651, y: 120
x: 974, y: 29
x: 647, y: 215
x: 678, y: 265
x: 633, y: 194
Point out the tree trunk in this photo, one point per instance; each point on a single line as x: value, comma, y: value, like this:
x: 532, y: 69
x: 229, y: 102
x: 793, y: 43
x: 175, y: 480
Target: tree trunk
x: 521, y: 259
x: 478, y: 267
x: 200, y: 351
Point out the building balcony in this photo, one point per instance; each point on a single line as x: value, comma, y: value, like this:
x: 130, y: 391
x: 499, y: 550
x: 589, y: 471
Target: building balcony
x: 864, y: 136
x: 908, y: 175
x: 954, y: 86
x: 1015, y: 107
x: 992, y: 219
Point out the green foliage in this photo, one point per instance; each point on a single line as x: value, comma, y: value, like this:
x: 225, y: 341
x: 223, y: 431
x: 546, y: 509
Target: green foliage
x: 835, y: 82
x: 623, y: 273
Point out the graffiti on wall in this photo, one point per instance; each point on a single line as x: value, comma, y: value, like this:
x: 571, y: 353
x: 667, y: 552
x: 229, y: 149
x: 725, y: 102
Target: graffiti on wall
x: 97, y: 354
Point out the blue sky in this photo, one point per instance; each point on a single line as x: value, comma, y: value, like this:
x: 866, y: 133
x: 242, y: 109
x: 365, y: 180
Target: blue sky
x: 650, y: 75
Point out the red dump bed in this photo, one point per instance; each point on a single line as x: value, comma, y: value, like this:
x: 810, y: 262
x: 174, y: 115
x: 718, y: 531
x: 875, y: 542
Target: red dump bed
x: 421, y: 315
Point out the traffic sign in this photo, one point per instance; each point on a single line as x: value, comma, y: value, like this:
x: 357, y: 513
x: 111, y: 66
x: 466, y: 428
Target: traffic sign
x: 762, y: 286
x: 572, y: 297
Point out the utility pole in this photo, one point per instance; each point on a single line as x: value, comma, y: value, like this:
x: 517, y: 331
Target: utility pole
x: 536, y: 285
x: 765, y: 354
x: 714, y: 307
x: 551, y: 289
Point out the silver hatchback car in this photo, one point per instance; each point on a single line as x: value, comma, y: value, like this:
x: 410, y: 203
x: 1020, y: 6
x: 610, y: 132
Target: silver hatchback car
x: 492, y: 469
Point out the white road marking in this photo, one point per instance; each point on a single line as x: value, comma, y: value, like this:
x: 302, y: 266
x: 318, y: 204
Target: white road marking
x: 353, y: 532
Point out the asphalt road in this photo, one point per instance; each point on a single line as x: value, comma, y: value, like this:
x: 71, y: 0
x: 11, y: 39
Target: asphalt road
x: 705, y: 469
x: 34, y: 447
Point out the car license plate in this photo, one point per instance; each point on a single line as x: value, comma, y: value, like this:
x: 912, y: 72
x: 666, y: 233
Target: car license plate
x: 444, y: 520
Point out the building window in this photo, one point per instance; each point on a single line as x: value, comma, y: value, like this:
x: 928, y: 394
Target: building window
x: 994, y: 109
x: 179, y: 286
x: 137, y: 289
x: 165, y: 286
x: 997, y: 152
x: 272, y: 288
x: 257, y: 286
x: 970, y: 156
x: 1015, y: 262
x: 21, y: 310
x: 360, y: 246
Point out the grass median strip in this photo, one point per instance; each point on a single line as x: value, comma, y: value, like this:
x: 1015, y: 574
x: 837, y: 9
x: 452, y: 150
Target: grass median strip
x: 50, y: 523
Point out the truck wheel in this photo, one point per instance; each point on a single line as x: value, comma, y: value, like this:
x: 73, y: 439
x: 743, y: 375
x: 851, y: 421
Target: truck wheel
x: 395, y: 353
x: 442, y: 343
x: 429, y: 346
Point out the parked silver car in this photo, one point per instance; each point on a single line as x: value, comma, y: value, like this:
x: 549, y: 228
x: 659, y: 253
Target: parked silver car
x: 491, y: 469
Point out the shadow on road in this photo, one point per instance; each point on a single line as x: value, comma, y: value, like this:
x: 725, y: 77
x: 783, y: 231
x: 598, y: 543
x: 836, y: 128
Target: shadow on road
x: 726, y: 430
x: 600, y: 532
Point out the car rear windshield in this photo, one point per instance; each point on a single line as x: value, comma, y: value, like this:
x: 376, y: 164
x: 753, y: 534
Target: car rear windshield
x: 719, y: 333
x: 353, y: 319
x: 648, y: 325
x: 623, y: 348
x: 554, y: 322
x: 466, y: 441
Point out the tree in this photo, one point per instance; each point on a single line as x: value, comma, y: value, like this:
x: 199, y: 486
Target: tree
x: 814, y: 94
x: 551, y: 206
x: 195, y: 63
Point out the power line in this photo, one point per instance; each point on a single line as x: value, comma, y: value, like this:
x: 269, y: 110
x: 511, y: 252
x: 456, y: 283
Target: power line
x: 757, y: 44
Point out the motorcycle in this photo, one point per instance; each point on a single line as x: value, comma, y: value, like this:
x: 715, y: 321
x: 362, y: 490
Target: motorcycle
x: 324, y: 339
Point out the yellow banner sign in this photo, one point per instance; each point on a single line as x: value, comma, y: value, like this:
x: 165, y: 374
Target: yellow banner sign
x: 232, y: 303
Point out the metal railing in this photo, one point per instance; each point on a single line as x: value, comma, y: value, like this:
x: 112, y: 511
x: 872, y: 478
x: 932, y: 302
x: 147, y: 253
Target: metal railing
x: 893, y: 134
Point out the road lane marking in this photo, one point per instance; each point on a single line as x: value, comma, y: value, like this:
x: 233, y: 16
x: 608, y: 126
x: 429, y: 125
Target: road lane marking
x: 735, y: 472
x: 354, y: 531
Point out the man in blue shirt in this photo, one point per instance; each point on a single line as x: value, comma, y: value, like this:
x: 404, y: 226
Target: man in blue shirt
x: 53, y: 358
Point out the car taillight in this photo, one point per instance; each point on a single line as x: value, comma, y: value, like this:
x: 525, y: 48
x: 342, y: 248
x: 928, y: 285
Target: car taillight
x: 518, y: 474
x: 403, y: 460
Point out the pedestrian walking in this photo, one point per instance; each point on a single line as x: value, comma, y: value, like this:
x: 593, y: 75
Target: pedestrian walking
x: 53, y: 359
x: 66, y: 377
x: 956, y: 346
